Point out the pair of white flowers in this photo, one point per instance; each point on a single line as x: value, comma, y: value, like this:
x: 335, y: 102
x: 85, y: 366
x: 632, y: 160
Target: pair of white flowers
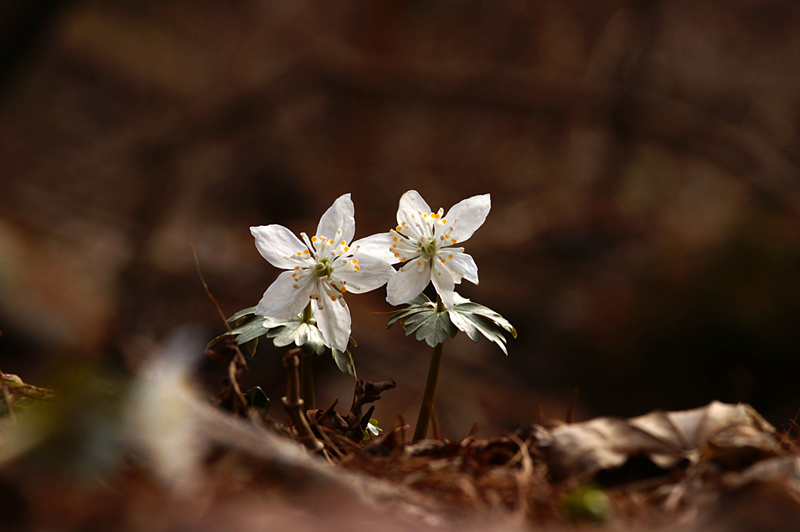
x: 322, y: 268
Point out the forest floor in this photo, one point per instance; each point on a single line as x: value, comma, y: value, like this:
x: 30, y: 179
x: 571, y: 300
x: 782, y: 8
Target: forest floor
x: 153, y: 454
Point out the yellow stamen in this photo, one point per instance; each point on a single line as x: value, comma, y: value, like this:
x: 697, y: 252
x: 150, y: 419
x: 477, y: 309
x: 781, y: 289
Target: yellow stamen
x: 306, y: 252
x: 444, y: 260
x: 355, y: 261
x: 313, y: 239
x: 444, y: 221
x: 342, y: 243
x: 394, y: 238
x: 346, y: 248
x: 399, y: 228
x: 394, y: 245
x: 396, y: 254
x: 450, y: 256
x: 330, y: 242
x: 357, y: 268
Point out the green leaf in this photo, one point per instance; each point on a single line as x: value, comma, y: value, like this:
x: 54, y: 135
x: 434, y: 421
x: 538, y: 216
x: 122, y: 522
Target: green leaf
x: 315, y: 341
x: 475, y: 320
x: 422, y: 318
x: 344, y: 361
x: 247, y: 330
x: 297, y: 331
x: 241, y: 314
x: 251, y: 346
x: 465, y: 324
x: 256, y: 398
x: 217, y: 339
x: 251, y: 329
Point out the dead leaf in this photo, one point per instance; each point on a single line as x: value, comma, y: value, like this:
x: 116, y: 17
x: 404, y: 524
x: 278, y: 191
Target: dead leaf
x: 731, y: 436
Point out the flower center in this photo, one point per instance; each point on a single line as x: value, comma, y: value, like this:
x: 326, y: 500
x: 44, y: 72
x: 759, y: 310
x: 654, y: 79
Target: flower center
x: 323, y: 268
x: 428, y: 246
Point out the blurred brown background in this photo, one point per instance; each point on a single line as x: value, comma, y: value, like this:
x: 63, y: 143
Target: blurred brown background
x: 642, y: 158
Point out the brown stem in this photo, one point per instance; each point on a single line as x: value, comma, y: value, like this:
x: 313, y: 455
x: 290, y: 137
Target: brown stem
x: 307, y: 368
x: 294, y: 404
x: 424, y: 418
x: 307, y: 379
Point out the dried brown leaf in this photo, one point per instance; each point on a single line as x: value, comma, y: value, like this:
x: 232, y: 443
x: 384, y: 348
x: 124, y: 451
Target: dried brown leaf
x: 733, y: 436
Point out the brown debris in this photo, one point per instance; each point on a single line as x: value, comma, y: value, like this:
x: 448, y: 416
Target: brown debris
x: 731, y: 436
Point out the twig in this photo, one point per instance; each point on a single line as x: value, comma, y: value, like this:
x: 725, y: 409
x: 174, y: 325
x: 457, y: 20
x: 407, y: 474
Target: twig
x: 239, y: 359
x: 294, y: 403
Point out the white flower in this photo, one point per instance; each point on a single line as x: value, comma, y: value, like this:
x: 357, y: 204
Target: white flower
x: 425, y: 242
x: 321, y: 269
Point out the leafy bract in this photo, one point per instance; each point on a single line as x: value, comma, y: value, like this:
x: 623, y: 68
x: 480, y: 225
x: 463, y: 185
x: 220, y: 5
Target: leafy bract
x: 304, y: 334
x: 434, y: 326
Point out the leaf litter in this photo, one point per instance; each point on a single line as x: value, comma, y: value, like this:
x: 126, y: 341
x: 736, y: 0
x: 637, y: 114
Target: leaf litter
x: 719, y: 467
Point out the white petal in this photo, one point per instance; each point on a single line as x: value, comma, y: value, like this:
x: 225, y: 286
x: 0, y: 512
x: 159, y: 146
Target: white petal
x: 276, y: 243
x: 340, y: 215
x: 444, y: 284
x: 464, y: 265
x: 333, y: 319
x: 373, y: 273
x: 376, y: 245
x: 407, y: 284
x: 282, y: 300
x: 411, y: 203
x: 467, y: 216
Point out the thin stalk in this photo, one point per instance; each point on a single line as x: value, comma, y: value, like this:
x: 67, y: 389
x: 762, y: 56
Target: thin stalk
x: 307, y: 368
x: 294, y: 404
x: 424, y: 418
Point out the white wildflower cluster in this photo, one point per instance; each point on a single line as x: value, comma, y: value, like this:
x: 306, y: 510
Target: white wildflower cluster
x: 322, y: 268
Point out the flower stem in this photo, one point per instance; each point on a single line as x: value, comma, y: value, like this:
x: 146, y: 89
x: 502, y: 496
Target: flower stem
x: 424, y: 418
x: 307, y: 368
